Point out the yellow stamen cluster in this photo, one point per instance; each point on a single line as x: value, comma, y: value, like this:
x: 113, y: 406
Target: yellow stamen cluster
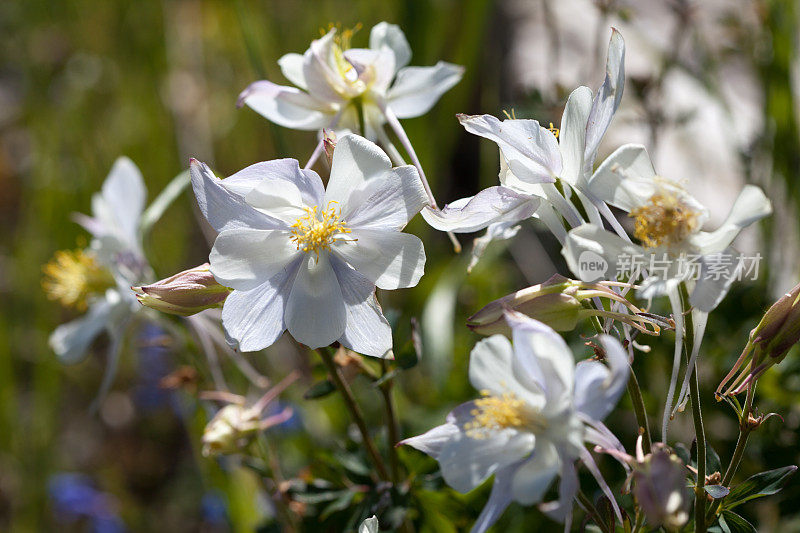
x: 554, y: 130
x: 317, y: 231
x: 665, y: 220
x: 74, y: 275
x: 341, y: 42
x: 495, y: 413
x: 512, y: 115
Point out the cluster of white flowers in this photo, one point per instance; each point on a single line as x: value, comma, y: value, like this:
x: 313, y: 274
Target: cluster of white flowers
x: 306, y: 258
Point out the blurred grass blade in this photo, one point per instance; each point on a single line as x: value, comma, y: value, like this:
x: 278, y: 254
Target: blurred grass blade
x: 162, y: 202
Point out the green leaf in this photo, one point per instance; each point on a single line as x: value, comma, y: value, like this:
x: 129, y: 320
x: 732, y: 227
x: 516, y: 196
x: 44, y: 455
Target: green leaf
x: 759, y: 485
x: 683, y: 454
x: 607, y: 515
x: 319, y: 389
x: 716, y: 491
x: 407, y: 357
x: 162, y: 202
x: 339, y: 504
x: 730, y: 522
x: 321, y: 497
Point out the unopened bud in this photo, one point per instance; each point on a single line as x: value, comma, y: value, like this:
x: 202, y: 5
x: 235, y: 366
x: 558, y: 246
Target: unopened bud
x: 185, y: 293
x: 558, y: 302
x: 769, y: 342
x: 659, y: 486
x: 230, y: 430
x: 329, y: 142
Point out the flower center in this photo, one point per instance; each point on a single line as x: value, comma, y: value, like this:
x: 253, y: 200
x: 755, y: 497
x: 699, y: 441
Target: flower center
x: 494, y: 413
x: 317, y: 231
x: 665, y: 220
x: 72, y: 276
x: 341, y: 42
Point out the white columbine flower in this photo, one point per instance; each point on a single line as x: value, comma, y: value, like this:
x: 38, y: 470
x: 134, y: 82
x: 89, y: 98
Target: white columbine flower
x: 335, y: 83
x: 533, y: 157
x: 98, y: 279
x: 529, y: 426
x: 369, y: 525
x: 673, y: 248
x: 305, y: 259
x: 668, y: 224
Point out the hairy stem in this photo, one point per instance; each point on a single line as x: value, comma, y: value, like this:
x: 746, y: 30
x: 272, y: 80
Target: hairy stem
x: 641, y: 414
x: 738, y: 453
x: 355, y: 411
x: 391, y: 424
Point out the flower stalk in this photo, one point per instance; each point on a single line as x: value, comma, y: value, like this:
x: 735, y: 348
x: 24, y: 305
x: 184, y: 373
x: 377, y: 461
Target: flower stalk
x: 697, y: 417
x: 355, y: 411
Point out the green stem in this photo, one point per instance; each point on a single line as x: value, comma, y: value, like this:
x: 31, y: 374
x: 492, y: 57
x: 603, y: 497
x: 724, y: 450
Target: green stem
x: 269, y: 457
x: 641, y: 414
x: 355, y: 411
x: 391, y: 424
x: 697, y: 415
x: 738, y: 452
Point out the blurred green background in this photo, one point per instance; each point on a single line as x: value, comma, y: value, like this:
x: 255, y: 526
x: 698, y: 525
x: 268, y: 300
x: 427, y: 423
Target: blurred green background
x: 82, y: 82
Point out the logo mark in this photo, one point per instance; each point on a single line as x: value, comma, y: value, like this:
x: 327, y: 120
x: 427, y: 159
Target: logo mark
x: 592, y: 266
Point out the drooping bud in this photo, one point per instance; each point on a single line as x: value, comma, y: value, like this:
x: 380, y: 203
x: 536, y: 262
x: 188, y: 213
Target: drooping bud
x: 229, y: 430
x: 659, y: 483
x: 559, y: 303
x: 235, y: 425
x: 769, y: 342
x: 185, y: 293
x: 659, y: 486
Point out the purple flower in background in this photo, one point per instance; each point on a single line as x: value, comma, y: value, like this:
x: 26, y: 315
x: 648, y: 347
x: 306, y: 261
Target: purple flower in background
x: 74, y: 497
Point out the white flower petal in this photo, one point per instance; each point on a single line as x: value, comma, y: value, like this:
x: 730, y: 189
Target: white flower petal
x: 287, y: 106
x: 607, y: 99
x: 369, y: 525
x: 315, y: 312
x: 367, y: 331
x: 434, y: 440
x: 254, y: 318
x: 716, y: 277
x: 280, y: 174
x: 244, y: 258
x: 70, y: 341
x: 391, y: 36
x: 751, y: 205
x: 225, y: 209
x: 417, y: 89
x: 625, y: 178
x: 324, y: 81
x: 282, y: 201
x: 355, y: 161
x: 466, y: 462
x: 124, y: 193
x: 542, y: 356
x: 530, y: 150
x: 572, y: 137
x: 534, y: 476
x: 499, y: 499
x: 499, y: 231
x: 374, y: 67
x: 389, y: 259
x: 597, y: 386
x: 490, y: 206
x: 593, y: 253
x: 561, y: 510
x: 387, y: 201
x: 494, y: 367
x: 292, y: 68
